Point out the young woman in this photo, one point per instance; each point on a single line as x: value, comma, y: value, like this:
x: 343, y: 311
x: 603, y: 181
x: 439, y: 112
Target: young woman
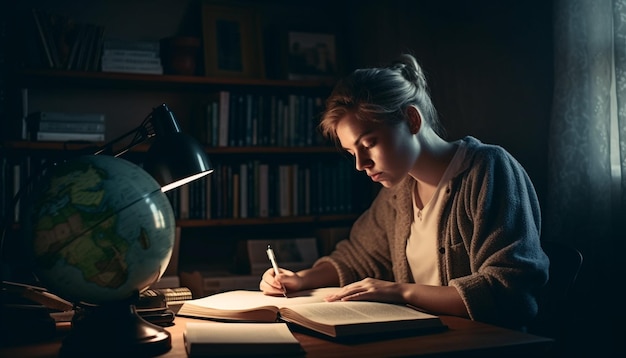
x: 455, y: 228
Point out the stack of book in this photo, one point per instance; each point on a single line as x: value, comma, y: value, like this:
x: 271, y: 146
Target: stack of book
x: 66, y: 126
x: 132, y: 57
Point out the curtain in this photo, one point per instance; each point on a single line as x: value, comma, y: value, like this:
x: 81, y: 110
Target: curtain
x: 587, y: 158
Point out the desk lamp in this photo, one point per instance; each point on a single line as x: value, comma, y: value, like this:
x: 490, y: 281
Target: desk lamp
x: 100, y: 230
x: 174, y: 159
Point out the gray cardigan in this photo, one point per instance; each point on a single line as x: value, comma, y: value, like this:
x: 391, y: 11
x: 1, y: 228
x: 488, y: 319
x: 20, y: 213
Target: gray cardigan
x: 489, y: 247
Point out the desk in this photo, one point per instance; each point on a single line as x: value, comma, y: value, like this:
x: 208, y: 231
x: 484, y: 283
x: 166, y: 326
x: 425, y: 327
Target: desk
x: 463, y: 338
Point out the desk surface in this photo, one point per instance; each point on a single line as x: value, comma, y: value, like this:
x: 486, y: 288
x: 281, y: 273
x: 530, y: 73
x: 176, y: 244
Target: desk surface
x: 463, y: 337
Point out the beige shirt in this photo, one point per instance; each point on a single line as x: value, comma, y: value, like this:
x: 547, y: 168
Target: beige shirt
x: 421, y: 247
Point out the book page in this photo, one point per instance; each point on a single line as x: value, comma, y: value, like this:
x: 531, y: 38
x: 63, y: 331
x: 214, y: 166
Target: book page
x: 241, y: 300
x: 353, y: 312
x: 352, y: 318
x: 243, y: 305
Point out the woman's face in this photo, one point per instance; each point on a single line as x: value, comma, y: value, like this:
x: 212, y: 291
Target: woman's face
x: 386, y: 153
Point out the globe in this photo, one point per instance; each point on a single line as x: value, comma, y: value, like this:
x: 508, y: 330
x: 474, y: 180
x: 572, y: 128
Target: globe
x: 99, y: 229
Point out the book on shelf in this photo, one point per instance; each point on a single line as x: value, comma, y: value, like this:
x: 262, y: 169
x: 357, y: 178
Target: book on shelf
x: 66, y: 43
x: 111, y: 61
x: 64, y: 126
x: 71, y: 127
x: 66, y: 136
x: 143, y: 46
x: 150, y: 69
x: 213, y: 339
x: 131, y: 56
x: 114, y: 61
x: 258, y: 189
x: 114, y: 53
x: 86, y: 48
x: 46, y: 116
x: 245, y: 119
x: 41, y: 30
x: 307, y: 309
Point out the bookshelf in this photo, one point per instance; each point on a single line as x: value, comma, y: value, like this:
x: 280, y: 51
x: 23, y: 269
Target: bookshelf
x: 125, y: 98
x: 49, y: 80
x: 226, y: 232
x: 309, y: 152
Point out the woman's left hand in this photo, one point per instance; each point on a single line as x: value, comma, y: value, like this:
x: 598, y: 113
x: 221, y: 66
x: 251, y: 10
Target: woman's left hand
x: 370, y: 289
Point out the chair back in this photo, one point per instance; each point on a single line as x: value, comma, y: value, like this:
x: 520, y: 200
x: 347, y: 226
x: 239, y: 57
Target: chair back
x: 565, y: 264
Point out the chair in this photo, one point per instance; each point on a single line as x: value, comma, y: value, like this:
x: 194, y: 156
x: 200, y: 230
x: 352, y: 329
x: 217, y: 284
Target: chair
x: 565, y: 264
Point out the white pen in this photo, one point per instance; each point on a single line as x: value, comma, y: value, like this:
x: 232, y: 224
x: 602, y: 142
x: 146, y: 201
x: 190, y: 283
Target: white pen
x: 270, y: 254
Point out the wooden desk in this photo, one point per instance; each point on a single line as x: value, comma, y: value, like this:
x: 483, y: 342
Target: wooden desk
x: 463, y: 338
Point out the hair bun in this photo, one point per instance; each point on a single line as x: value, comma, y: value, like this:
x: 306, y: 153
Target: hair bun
x: 409, y: 68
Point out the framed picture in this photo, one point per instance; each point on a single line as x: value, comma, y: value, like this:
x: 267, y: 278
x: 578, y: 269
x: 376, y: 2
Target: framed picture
x: 232, y: 41
x: 311, y: 55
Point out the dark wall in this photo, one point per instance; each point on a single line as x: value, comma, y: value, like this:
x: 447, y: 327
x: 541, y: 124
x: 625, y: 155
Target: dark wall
x: 489, y: 65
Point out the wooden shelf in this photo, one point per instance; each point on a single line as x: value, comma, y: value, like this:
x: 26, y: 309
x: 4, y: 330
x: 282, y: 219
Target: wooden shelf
x: 268, y: 221
x: 52, y: 78
x: 70, y: 146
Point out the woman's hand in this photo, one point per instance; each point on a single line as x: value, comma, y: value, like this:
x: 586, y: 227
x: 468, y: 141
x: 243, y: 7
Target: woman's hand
x: 272, y: 285
x: 435, y: 299
x: 371, y: 289
x: 322, y: 275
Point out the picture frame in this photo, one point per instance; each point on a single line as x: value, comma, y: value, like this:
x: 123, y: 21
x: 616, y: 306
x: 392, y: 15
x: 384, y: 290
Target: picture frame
x: 232, y: 41
x: 311, y: 56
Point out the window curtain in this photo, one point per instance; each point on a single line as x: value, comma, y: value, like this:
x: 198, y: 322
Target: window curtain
x: 587, y: 158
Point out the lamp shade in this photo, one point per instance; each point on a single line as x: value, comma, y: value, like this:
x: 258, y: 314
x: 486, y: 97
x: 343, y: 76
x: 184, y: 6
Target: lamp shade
x: 176, y: 159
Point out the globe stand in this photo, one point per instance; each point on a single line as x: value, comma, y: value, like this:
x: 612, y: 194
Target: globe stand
x: 114, y: 329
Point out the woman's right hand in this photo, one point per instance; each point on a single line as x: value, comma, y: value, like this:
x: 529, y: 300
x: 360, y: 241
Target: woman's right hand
x: 272, y: 285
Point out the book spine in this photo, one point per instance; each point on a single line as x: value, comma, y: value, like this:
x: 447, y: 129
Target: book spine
x: 130, y: 68
x: 184, y: 202
x: 175, y: 294
x: 81, y: 59
x: 144, y: 46
x: 224, y: 108
x: 243, y: 190
x: 71, y: 127
x: 135, y: 54
x: 68, y: 117
x: 96, y: 58
x: 264, y: 189
x: 42, y: 35
x: 127, y: 60
x: 52, y: 136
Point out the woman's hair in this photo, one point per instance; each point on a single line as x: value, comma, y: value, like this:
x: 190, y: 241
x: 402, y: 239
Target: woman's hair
x: 380, y: 95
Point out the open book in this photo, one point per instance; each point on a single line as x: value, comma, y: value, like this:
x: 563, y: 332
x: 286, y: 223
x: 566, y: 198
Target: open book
x: 308, y: 309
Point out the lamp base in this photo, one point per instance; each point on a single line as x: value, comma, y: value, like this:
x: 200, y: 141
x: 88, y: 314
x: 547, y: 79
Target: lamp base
x: 112, y: 330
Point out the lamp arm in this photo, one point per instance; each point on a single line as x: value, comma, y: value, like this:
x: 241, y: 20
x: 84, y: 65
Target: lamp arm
x: 142, y: 133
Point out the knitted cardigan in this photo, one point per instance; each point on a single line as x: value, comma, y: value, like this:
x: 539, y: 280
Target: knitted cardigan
x: 489, y: 241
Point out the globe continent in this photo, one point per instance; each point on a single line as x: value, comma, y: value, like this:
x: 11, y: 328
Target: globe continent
x: 99, y: 229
